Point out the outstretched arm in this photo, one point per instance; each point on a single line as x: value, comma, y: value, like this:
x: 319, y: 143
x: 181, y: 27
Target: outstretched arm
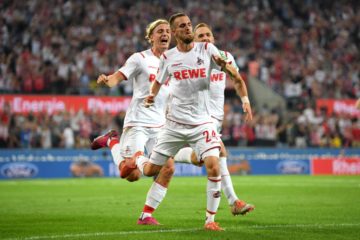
x: 154, y: 90
x: 111, y: 80
x: 239, y: 84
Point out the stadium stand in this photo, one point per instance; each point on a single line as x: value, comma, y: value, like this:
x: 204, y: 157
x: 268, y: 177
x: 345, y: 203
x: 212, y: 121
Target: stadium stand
x: 302, y: 50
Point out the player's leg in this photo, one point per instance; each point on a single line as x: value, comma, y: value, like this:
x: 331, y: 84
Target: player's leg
x: 132, y: 144
x: 159, y: 187
x: 207, y: 148
x: 236, y: 206
x: 169, y: 141
x: 156, y: 194
x: 187, y: 155
x: 213, y: 189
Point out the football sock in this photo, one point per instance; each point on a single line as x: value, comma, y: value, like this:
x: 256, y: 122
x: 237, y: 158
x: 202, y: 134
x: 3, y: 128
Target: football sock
x: 147, y: 212
x: 141, y: 162
x: 213, y: 197
x: 115, y: 151
x: 226, y: 183
x: 184, y: 155
x: 154, y: 197
x: 111, y: 142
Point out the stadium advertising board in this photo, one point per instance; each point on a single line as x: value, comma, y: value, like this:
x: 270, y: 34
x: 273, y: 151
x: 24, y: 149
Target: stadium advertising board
x: 344, y: 106
x: 52, y: 104
x: 336, y: 166
x: 268, y: 161
x: 57, y: 163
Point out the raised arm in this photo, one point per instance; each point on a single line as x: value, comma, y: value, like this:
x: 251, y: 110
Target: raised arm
x: 239, y: 84
x: 111, y: 80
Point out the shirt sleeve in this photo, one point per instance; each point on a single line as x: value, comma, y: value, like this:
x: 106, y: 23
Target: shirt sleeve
x: 231, y: 60
x: 131, y: 66
x: 162, y: 74
x: 213, y: 51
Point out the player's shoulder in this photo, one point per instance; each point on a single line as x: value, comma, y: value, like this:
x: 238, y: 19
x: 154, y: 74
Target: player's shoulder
x: 203, y: 45
x: 168, y: 54
x: 145, y: 54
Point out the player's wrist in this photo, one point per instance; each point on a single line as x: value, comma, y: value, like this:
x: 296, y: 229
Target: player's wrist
x: 245, y: 99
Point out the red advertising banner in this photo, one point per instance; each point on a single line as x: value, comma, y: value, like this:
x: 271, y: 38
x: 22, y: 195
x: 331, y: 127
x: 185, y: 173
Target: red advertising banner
x: 336, y: 166
x: 346, y: 106
x: 55, y: 103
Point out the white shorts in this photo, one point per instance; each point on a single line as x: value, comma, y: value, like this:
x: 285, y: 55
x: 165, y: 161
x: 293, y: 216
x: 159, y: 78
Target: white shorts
x: 174, y: 136
x: 218, y: 124
x: 134, y: 139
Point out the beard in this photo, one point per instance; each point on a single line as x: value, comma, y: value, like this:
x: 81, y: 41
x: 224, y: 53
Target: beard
x: 188, y: 40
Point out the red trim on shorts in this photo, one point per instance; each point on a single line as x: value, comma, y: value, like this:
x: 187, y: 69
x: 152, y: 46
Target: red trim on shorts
x: 209, y: 150
x: 212, y: 213
x: 206, y: 45
x: 142, y: 54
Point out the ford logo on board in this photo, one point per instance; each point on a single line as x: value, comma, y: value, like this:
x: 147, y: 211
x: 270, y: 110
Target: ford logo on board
x: 19, y: 170
x: 292, y: 167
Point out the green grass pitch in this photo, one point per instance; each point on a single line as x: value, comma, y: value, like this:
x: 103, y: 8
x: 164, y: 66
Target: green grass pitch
x: 287, y: 207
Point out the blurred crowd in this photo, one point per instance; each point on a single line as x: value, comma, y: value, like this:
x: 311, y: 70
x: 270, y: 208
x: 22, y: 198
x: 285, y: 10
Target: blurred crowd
x: 302, y: 49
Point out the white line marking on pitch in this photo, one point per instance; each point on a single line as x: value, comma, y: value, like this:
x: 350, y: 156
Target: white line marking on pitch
x: 102, y: 234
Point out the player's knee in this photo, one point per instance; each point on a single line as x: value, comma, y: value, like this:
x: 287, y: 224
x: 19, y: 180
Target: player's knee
x: 212, y: 166
x: 151, y: 169
x: 213, y: 172
x: 168, y: 171
x: 134, y: 176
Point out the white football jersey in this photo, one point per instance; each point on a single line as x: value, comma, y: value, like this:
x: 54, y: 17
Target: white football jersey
x: 141, y: 68
x: 189, y: 74
x: 217, y: 87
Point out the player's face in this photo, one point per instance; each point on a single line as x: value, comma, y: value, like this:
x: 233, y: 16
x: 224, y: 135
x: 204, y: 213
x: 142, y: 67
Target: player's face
x: 204, y: 34
x: 161, y: 36
x: 183, y: 30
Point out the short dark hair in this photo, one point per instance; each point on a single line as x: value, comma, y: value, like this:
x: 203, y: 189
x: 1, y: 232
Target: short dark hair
x: 175, y: 16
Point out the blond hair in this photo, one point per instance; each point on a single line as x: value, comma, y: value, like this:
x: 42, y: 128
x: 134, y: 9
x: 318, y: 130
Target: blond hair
x: 202, y: 25
x: 150, y: 28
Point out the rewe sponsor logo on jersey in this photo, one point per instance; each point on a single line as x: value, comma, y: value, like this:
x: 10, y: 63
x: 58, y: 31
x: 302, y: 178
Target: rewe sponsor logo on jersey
x: 215, y: 77
x: 190, y: 74
x: 152, y: 77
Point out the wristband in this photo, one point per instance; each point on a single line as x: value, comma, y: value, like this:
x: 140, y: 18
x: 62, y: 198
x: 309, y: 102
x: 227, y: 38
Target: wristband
x: 245, y: 99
